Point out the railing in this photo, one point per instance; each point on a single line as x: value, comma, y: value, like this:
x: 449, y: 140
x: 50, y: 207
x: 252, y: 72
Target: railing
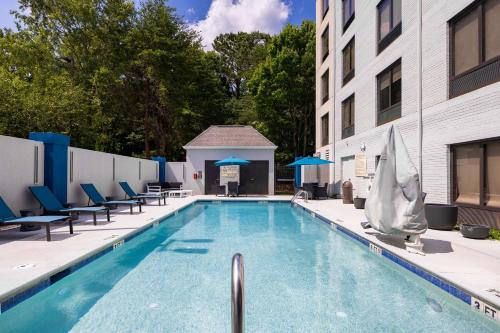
x: 237, y: 294
x: 299, y: 194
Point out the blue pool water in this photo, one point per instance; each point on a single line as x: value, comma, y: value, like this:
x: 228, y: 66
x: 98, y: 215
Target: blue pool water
x: 300, y: 276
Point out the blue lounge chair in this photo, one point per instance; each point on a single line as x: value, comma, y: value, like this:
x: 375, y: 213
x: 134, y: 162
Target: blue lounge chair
x: 52, y: 205
x: 7, y: 217
x: 129, y: 192
x: 98, y: 199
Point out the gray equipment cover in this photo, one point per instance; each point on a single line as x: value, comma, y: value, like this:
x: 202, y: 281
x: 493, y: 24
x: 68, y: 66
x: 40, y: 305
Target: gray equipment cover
x: 394, y: 204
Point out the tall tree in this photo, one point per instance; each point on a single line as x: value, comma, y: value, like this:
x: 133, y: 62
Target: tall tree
x: 284, y: 90
x: 240, y: 53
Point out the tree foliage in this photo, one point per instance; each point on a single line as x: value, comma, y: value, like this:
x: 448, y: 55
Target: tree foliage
x: 284, y: 89
x: 136, y: 80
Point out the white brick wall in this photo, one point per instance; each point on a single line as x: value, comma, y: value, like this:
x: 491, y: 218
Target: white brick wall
x: 472, y: 116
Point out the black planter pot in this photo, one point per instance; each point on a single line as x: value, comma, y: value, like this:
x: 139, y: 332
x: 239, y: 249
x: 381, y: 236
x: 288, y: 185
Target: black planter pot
x: 475, y: 231
x: 440, y: 216
x: 359, y: 203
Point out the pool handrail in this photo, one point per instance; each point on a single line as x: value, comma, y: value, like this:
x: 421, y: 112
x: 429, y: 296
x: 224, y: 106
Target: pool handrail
x: 300, y: 193
x: 237, y: 294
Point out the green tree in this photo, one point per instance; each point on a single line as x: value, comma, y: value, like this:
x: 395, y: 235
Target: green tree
x: 38, y: 98
x: 240, y: 53
x: 284, y: 90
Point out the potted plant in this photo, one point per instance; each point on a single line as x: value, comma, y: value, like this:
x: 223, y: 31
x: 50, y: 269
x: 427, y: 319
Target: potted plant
x: 359, y: 203
x: 441, y: 216
x: 475, y: 231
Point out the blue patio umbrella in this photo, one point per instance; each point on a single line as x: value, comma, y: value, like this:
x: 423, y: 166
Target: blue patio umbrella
x: 309, y: 161
x: 232, y: 161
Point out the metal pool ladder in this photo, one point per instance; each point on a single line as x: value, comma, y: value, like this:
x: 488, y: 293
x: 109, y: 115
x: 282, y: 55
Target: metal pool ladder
x: 237, y: 294
x: 299, y: 194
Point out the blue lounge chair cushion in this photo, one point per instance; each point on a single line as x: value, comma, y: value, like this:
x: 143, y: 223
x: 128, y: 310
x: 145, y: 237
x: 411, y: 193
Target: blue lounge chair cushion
x: 8, y: 216
x: 98, y: 199
x: 38, y: 219
x: 48, y: 200
x: 5, y: 212
x: 84, y: 209
x: 122, y: 202
x: 92, y: 193
x: 128, y: 190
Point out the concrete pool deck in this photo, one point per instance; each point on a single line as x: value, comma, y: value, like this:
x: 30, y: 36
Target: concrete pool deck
x: 27, y: 258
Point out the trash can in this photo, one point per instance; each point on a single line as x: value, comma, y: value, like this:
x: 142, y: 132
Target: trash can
x: 347, y: 192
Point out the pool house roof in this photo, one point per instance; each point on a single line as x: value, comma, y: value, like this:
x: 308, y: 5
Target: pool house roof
x: 230, y: 137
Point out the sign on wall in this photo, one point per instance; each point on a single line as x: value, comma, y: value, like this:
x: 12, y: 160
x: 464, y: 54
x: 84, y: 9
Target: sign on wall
x: 361, y: 166
x: 229, y: 171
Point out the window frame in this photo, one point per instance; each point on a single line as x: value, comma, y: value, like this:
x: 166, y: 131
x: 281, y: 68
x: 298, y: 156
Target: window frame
x: 346, y: 24
x: 325, y: 139
x: 482, y: 174
x: 474, y: 82
x: 346, y: 77
x: 325, y: 98
x: 394, y: 33
x: 349, y: 131
x: 326, y: 32
x: 396, y: 106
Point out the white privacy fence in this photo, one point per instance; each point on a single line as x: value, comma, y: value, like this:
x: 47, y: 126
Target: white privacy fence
x: 21, y: 165
x: 175, y: 172
x: 105, y: 171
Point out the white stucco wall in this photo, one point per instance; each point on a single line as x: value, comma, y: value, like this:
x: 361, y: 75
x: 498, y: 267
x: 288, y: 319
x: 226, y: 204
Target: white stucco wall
x: 97, y: 168
x: 175, y: 172
x: 195, y: 161
x: 17, y: 171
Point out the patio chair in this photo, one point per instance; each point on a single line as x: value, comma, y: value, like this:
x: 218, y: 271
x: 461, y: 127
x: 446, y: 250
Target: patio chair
x: 135, y: 196
x: 242, y: 190
x: 320, y: 192
x: 232, y: 189
x: 98, y: 199
x: 309, y: 188
x: 52, y: 206
x: 7, y: 217
x: 220, y: 190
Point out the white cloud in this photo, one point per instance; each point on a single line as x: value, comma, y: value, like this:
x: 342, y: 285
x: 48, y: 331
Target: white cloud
x: 242, y: 15
x: 191, y: 11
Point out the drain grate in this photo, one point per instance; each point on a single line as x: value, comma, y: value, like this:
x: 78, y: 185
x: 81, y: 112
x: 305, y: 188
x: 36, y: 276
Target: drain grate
x: 24, y: 266
x: 110, y: 237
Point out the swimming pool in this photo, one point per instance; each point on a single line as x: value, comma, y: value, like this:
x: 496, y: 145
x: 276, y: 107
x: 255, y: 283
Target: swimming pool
x: 300, y: 276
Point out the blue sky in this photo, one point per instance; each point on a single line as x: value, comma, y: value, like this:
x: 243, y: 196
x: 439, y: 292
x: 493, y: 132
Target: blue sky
x: 196, y: 10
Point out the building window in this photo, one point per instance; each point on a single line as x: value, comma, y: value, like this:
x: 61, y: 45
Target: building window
x: 324, y: 130
x: 348, y: 117
x: 389, y: 94
x: 475, y: 47
x: 475, y: 180
x: 389, y: 22
x: 325, y: 88
x: 348, y: 62
x: 347, y: 13
x: 326, y: 6
x: 325, y: 44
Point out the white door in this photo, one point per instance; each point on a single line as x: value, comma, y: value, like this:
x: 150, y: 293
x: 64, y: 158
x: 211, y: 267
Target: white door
x: 347, y: 170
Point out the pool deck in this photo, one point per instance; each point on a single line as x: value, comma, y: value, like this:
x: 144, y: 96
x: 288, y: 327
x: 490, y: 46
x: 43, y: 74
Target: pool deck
x: 27, y: 258
x: 473, y: 265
